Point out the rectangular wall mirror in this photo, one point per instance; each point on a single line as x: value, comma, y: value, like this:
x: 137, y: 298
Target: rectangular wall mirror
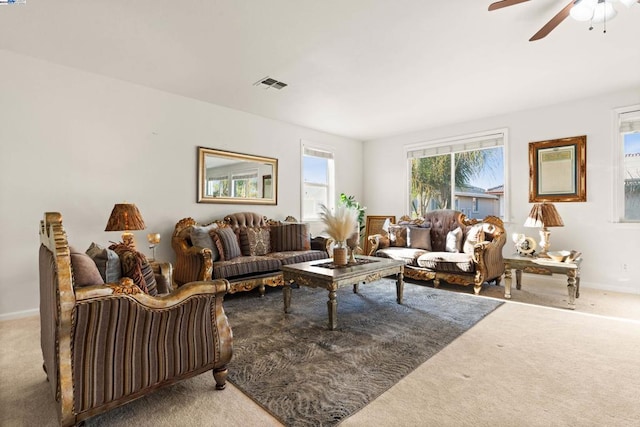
x: 228, y: 177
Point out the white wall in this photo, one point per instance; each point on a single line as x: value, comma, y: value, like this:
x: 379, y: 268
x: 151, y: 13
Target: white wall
x: 588, y: 226
x: 78, y: 143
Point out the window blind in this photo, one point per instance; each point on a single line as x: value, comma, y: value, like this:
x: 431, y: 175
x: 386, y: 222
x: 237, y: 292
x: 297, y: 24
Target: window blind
x: 457, y: 146
x: 630, y: 122
x: 314, y: 152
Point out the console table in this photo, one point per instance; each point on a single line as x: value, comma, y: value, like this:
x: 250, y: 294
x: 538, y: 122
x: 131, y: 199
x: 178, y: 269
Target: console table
x: 543, y: 266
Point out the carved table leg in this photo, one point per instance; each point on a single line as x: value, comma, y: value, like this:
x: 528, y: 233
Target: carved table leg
x: 518, y: 279
x: 332, y: 305
x: 578, y: 283
x: 571, y: 287
x: 355, y: 288
x: 286, y: 292
x: 507, y: 281
x: 399, y: 287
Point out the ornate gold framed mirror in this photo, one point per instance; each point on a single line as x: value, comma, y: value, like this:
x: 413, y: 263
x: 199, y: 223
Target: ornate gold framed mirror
x: 228, y: 177
x: 558, y: 170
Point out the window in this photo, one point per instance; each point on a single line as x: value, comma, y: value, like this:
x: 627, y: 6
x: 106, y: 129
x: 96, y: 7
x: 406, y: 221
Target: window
x: 627, y: 181
x: 317, y: 181
x: 245, y: 184
x: 465, y: 173
x: 218, y: 186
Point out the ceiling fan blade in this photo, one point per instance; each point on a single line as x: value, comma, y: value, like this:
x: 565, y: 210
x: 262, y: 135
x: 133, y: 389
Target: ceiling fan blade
x: 505, y: 3
x: 553, y: 23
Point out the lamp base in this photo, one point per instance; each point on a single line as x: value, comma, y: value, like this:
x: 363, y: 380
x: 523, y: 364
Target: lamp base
x: 129, y: 240
x: 544, y: 243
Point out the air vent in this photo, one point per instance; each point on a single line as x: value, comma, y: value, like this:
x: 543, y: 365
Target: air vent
x: 268, y: 82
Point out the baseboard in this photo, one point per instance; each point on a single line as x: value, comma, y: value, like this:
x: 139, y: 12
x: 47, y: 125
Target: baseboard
x: 560, y: 279
x: 19, y: 314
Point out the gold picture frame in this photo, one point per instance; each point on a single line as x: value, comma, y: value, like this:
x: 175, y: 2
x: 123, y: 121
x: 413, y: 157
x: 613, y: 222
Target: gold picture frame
x: 558, y: 170
x: 374, y: 225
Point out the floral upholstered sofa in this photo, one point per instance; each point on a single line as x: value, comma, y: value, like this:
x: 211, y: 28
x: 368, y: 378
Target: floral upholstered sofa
x: 245, y: 248
x: 445, y: 245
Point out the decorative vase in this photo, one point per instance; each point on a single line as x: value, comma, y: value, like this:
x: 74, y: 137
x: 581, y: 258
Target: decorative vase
x: 353, y: 243
x: 340, y: 255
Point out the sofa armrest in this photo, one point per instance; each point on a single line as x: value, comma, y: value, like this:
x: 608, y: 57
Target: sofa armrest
x: 378, y: 241
x: 488, y: 257
x: 193, y: 263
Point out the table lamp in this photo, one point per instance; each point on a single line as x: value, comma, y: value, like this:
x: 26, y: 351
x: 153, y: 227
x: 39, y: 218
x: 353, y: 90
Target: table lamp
x: 544, y: 215
x: 125, y: 217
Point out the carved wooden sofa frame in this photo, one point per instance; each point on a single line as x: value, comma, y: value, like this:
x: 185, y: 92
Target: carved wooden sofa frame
x: 196, y: 263
x: 91, y: 371
x: 487, y: 256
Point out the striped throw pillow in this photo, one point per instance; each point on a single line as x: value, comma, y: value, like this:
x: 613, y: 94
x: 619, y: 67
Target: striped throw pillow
x: 290, y: 237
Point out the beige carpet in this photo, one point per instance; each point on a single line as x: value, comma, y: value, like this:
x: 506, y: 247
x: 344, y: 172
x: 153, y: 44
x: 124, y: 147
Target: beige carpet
x: 522, y: 365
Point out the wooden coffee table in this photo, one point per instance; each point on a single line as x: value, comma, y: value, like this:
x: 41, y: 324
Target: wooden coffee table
x: 320, y: 274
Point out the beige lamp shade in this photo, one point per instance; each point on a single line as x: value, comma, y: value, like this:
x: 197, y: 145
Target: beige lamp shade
x: 125, y: 217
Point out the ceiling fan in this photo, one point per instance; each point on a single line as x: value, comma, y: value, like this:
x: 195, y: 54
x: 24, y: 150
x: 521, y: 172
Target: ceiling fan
x: 580, y: 10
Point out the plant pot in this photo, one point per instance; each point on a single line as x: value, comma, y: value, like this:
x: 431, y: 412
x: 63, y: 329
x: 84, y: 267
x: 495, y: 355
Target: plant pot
x: 340, y: 256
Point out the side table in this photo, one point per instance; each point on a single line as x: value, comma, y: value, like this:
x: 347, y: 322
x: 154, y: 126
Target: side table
x: 543, y: 266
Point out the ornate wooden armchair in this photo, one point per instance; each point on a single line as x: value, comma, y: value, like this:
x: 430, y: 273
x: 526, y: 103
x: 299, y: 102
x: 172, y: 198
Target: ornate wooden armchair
x: 105, y: 345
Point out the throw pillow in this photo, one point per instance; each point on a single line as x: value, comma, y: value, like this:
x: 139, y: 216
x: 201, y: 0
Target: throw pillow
x: 85, y: 271
x: 420, y: 238
x: 290, y: 237
x: 255, y: 241
x: 454, y: 240
x: 475, y: 234
x: 107, y: 261
x: 136, y: 267
x: 227, y: 243
x: 398, y: 235
x: 201, y: 236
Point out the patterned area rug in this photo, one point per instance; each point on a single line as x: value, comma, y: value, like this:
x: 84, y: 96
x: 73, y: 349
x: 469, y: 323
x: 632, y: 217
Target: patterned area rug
x: 307, y: 375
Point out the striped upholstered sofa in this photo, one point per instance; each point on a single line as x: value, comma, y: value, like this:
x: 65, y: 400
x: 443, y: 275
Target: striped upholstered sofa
x: 106, y: 344
x: 245, y: 248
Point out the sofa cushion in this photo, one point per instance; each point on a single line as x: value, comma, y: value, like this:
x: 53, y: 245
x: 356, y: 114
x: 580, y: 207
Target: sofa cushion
x: 447, y: 262
x: 201, y: 236
x: 408, y: 255
x: 293, y: 257
x: 255, y: 241
x: 227, y: 243
x: 454, y: 240
x: 398, y: 235
x: 136, y: 267
x: 474, y: 235
x: 244, y: 265
x: 107, y: 261
x: 85, y: 271
x: 290, y: 237
x: 420, y: 238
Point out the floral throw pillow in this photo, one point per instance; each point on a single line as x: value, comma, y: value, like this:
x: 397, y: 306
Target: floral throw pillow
x: 255, y: 241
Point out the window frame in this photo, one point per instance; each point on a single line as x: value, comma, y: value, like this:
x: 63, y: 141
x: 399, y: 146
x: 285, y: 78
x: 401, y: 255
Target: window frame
x: 618, y: 202
x: 449, y: 142
x: 305, y: 147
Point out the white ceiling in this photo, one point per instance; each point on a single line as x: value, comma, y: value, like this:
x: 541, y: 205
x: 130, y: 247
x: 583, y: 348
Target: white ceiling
x: 360, y: 68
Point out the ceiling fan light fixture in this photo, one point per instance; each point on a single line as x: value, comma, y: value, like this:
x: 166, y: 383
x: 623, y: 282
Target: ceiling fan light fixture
x: 604, y: 11
x: 583, y: 10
